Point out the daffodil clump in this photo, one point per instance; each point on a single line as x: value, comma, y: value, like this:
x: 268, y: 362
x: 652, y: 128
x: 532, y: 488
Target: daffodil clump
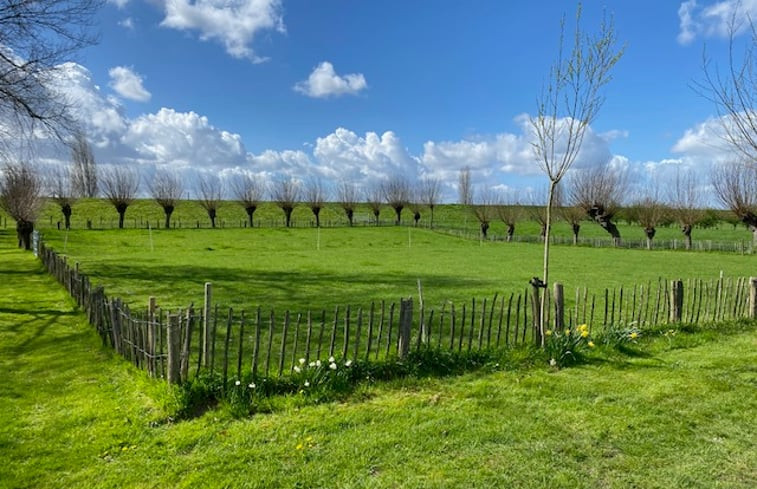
x: 619, y: 334
x: 565, y: 347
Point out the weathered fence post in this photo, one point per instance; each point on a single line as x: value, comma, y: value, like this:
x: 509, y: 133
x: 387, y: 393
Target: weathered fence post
x: 151, y: 306
x: 536, y: 284
x: 559, y: 306
x: 206, y: 331
x: 676, y: 301
x: 406, y: 321
x: 752, y: 297
x: 173, y: 338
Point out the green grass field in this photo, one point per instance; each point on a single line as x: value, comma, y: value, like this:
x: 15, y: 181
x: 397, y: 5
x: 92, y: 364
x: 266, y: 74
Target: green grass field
x: 314, y: 269
x: 668, y: 412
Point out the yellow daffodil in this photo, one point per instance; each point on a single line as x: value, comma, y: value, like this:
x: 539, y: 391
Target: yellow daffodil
x: 591, y: 344
x: 633, y: 335
x: 548, y: 332
x: 584, y: 334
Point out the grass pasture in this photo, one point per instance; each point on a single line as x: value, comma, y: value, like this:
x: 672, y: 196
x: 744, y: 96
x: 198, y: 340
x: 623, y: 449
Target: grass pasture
x: 300, y: 269
x: 668, y: 412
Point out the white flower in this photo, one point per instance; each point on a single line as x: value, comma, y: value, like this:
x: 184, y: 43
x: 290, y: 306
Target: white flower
x: 238, y: 382
x: 311, y: 364
x: 251, y: 386
x: 297, y: 369
x: 332, y: 366
x: 302, y: 361
x: 306, y: 384
x: 552, y: 362
x: 331, y: 360
x: 318, y: 363
x: 348, y: 363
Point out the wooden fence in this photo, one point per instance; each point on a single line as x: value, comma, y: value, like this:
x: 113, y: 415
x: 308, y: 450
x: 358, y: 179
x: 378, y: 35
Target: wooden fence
x: 176, y: 344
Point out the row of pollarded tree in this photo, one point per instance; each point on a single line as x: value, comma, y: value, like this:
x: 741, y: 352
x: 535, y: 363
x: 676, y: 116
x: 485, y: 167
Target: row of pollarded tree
x: 597, y: 196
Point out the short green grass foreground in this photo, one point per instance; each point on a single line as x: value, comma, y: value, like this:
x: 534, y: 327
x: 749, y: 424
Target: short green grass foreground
x: 672, y: 411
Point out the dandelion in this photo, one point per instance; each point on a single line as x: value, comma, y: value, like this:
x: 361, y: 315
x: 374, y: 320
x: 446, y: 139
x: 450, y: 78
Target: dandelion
x: 238, y: 383
x: 299, y: 446
x: 633, y: 335
x: 302, y: 361
x: 297, y: 369
x: 252, y: 385
x: 591, y: 344
x: 332, y: 366
x: 309, y: 439
x: 331, y: 360
x: 552, y: 362
x: 348, y: 363
x: 307, y: 383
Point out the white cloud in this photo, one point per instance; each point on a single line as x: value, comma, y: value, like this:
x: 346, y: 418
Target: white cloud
x: 128, y: 84
x: 119, y: 3
x: 127, y: 23
x: 234, y: 23
x: 714, y: 20
x: 324, y: 82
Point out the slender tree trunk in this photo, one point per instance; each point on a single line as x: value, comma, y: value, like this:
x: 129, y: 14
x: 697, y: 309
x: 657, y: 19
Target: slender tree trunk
x: 121, y: 209
x: 510, y: 232
x: 317, y: 214
x: 212, y: 216
x: 168, y: 210
x: 650, y: 232
x: 24, y: 231
x: 398, y: 211
x: 416, y: 217
x: 250, y: 209
x: 545, y: 279
x: 350, y: 214
x: 288, y: 215
x: 66, y: 210
x: 686, y: 230
x: 484, y: 229
x: 376, y: 213
x: 576, y: 228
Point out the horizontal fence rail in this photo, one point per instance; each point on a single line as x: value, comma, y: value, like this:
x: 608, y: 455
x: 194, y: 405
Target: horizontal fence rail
x: 177, y: 344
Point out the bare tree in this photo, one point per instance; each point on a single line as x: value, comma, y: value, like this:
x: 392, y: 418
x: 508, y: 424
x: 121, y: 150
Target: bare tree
x: 465, y: 187
x: 734, y: 92
x: 210, y: 193
x: 569, y: 102
x: 84, y: 169
x: 249, y: 191
x: 569, y: 213
x: 21, y: 190
x: 62, y: 192
x: 166, y: 188
x: 120, y: 186
x: 415, y: 204
x: 430, y: 193
x: 315, y: 196
x: 397, y: 194
x: 484, y: 210
x: 736, y: 187
x: 349, y: 195
x: 375, y: 198
x: 509, y: 211
x: 35, y: 37
x: 649, y: 211
x: 286, y: 194
x: 598, y: 192
x: 685, y: 202
x: 537, y: 211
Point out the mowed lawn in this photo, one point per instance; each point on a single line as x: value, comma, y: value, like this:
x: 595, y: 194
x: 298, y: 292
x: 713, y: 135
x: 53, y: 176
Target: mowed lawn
x: 300, y: 269
x: 676, y: 412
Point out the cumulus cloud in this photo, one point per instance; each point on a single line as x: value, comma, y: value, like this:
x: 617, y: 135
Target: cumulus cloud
x: 714, y: 20
x: 324, y: 82
x: 127, y: 23
x: 234, y: 23
x: 119, y: 3
x: 128, y: 84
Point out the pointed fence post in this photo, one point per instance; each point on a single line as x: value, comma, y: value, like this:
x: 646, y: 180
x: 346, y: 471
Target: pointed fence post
x: 173, y: 338
x: 752, y: 297
x: 206, y: 325
x: 406, y: 321
x: 151, y: 306
x: 676, y: 301
x: 559, y: 306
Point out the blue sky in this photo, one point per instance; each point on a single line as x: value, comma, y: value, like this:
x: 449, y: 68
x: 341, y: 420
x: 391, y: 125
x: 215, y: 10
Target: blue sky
x: 420, y: 87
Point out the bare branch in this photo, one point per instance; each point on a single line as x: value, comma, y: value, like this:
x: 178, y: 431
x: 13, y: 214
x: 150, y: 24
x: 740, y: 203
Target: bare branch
x: 166, y: 188
x: 120, y: 186
x: 286, y: 194
x: 210, y: 192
